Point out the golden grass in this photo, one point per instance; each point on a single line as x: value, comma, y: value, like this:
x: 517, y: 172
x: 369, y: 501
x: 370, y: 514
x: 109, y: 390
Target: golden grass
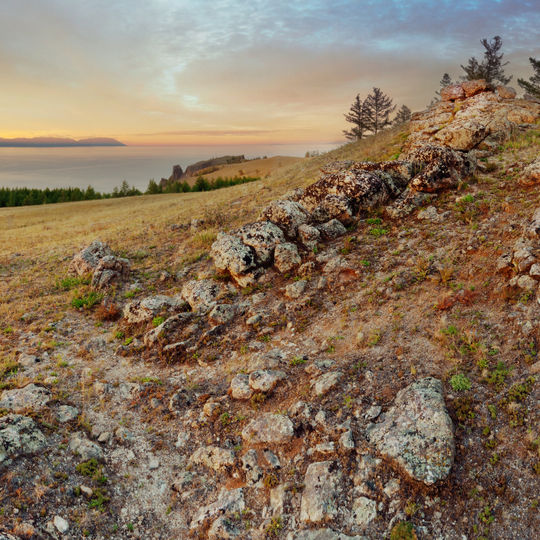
x: 36, y: 242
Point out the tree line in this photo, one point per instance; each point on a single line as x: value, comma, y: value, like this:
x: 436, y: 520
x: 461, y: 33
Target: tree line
x: 372, y: 114
x: 10, y: 197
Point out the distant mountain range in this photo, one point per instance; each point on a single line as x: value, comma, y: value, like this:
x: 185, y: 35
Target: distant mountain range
x: 59, y: 141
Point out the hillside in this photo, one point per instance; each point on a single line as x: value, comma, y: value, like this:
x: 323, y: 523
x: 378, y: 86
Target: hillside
x: 340, y: 350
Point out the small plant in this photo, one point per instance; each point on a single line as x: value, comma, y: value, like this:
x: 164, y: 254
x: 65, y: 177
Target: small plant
x: 459, y: 382
x: 156, y: 321
x: 498, y: 375
x: 272, y: 531
x: 377, y: 232
x: 297, y: 361
x: 87, y: 301
x: 270, y: 481
x: 404, y: 530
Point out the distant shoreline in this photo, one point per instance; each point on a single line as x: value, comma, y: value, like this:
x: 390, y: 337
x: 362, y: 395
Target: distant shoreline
x: 57, y: 142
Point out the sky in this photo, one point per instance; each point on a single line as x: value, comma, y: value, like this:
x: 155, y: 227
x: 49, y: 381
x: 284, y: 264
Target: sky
x: 234, y: 71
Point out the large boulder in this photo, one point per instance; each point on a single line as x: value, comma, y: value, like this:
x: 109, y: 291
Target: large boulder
x: 417, y: 432
x: 87, y: 259
x: 19, y: 435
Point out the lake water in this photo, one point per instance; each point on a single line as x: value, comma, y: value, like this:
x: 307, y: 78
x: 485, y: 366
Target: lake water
x: 104, y: 168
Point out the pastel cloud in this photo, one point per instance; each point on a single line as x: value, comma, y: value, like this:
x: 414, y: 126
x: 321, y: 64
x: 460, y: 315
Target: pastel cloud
x: 180, y: 71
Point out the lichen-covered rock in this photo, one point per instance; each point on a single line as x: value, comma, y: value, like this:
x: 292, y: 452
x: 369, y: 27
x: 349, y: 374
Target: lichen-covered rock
x: 108, y: 270
x: 222, y: 313
x: 166, y: 328
x: 296, y: 290
x: 364, y: 511
x: 287, y: 215
x: 230, y: 253
x: 31, y: 397
x: 213, y: 457
x: 452, y: 92
x: 263, y: 237
x: 532, y: 229
x: 334, y: 206
x: 264, y: 380
x: 332, y: 229
x: 269, y: 428
x: 286, y: 257
x: 417, y: 432
x: 239, y: 388
x: 223, y: 529
x: 471, y: 88
x: 325, y: 534
x: 228, y: 502
x: 201, y: 294
x: 441, y: 168
x: 531, y: 174
x: 309, y: 236
x: 145, y: 310
x: 320, y: 499
x: 19, y: 435
x: 86, y: 260
x: 326, y: 382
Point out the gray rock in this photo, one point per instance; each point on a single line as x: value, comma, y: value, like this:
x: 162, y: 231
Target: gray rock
x: 202, y: 294
x: 265, y: 380
x: 309, y: 235
x: 321, y: 492
x: 286, y: 257
x: 66, y: 413
x: 61, y: 524
x: 108, y: 270
x: 146, y: 309
x: 86, y: 260
x: 323, y: 534
x: 222, y: 313
x: 418, y: 432
x: 430, y: 214
x: 228, y: 502
x: 223, y: 529
x: 213, y: 457
x: 31, y: 397
x: 19, y: 435
x: 230, y: 253
x: 296, y: 289
x: 269, y: 428
x: 326, y: 382
x: 334, y: 206
x: 287, y: 215
x: 81, y: 446
x: 332, y: 229
x: 263, y: 237
x: 251, y: 468
x: 166, y: 327
x: 239, y: 388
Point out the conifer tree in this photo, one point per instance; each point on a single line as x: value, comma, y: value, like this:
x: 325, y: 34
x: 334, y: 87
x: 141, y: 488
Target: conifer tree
x: 402, y: 116
x: 491, y: 67
x: 357, y: 117
x: 378, y: 107
x: 532, y: 86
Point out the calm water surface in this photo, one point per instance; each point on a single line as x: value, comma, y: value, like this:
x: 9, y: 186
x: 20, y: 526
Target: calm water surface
x: 104, y: 168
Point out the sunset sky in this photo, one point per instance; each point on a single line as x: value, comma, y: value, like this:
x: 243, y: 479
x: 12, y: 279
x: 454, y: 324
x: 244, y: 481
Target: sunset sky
x: 225, y: 71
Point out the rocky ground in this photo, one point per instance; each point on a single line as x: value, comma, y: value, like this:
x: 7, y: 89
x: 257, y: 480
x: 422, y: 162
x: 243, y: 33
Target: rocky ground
x: 359, y: 363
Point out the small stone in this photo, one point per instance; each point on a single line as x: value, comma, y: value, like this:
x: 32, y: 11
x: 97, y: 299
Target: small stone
x: 240, y: 388
x: 86, y: 491
x: 506, y: 92
x: 296, y: 289
x: 65, y: 413
x: 326, y: 382
x: 373, y: 412
x: 271, y: 459
x: 527, y: 283
x: 269, y: 428
x: 81, y: 446
x: 153, y: 463
x: 222, y: 313
x: 254, y: 319
x: 346, y: 440
x: 19, y: 435
x: 251, y: 468
x: 392, y: 487
x: 213, y: 457
x: 223, y: 529
x: 228, y: 502
x: 325, y: 448
x: 265, y: 380
x: 309, y: 236
x: 332, y: 229
x: 534, y: 272
x: 61, y: 524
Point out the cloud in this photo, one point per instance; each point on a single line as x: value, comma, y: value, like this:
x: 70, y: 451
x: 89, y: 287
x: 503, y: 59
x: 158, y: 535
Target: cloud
x: 255, y: 68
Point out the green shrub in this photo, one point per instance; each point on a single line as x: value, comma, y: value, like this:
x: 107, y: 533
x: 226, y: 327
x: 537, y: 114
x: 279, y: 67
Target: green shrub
x: 86, y: 301
x: 460, y: 382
